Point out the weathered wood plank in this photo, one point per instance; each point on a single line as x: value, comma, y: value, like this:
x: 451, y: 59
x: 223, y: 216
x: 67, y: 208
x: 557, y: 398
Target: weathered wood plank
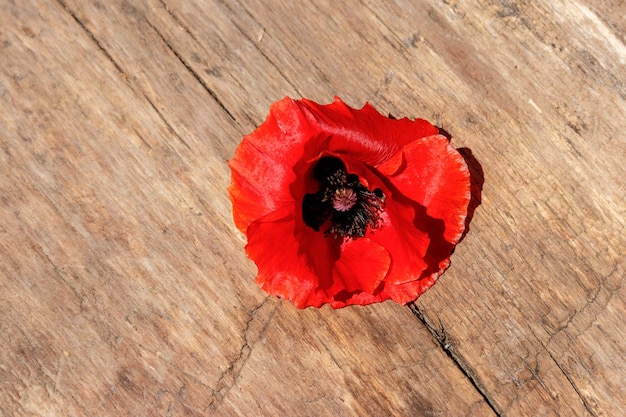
x: 114, y: 216
x: 123, y: 285
x: 96, y: 194
x: 541, y: 88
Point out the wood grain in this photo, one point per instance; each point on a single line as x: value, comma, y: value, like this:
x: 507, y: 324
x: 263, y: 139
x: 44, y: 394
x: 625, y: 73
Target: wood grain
x: 124, y: 288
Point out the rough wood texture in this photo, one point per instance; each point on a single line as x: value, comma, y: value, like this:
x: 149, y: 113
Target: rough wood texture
x: 124, y: 288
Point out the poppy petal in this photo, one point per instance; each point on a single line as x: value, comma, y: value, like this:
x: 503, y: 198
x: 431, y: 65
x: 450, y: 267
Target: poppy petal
x: 436, y: 176
x: 406, y: 244
x: 283, y: 270
x: 364, y: 133
x: 262, y: 168
x: 314, y: 270
x: 410, y: 291
x: 362, y: 266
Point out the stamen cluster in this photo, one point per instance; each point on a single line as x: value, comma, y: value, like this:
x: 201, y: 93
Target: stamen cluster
x: 342, y: 201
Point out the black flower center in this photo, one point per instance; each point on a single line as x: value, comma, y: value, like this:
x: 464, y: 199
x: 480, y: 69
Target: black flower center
x: 341, y: 201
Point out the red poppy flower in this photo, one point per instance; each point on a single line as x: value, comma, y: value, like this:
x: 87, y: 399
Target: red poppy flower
x: 346, y: 206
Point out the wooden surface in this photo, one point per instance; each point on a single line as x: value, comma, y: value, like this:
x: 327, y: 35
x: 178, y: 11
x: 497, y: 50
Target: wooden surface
x: 124, y: 287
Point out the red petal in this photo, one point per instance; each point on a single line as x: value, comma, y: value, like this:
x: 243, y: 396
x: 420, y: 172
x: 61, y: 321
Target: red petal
x: 436, y: 176
x: 362, y: 266
x: 364, y: 134
x: 406, y: 244
x: 410, y: 291
x: 263, y: 165
x: 309, y: 269
x: 284, y: 269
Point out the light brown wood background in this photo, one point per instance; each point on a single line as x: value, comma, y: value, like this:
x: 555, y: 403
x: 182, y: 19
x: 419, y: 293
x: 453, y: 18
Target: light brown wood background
x: 124, y: 287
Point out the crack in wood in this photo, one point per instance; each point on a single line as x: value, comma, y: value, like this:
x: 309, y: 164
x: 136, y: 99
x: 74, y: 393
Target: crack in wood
x: 119, y: 69
x: 194, y: 74
x: 330, y: 353
x: 92, y: 36
x: 442, y: 339
x: 164, y: 120
x: 179, y: 397
x: 577, y: 312
x: 574, y: 386
x: 602, y: 285
x: 231, y: 12
x: 177, y: 20
x: 229, y: 377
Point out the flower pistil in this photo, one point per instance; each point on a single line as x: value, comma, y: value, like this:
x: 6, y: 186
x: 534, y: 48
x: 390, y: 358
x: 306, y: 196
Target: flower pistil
x: 342, y: 201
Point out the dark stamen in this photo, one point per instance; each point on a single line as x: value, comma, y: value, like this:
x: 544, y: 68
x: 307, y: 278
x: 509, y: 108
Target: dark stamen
x: 342, y: 201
